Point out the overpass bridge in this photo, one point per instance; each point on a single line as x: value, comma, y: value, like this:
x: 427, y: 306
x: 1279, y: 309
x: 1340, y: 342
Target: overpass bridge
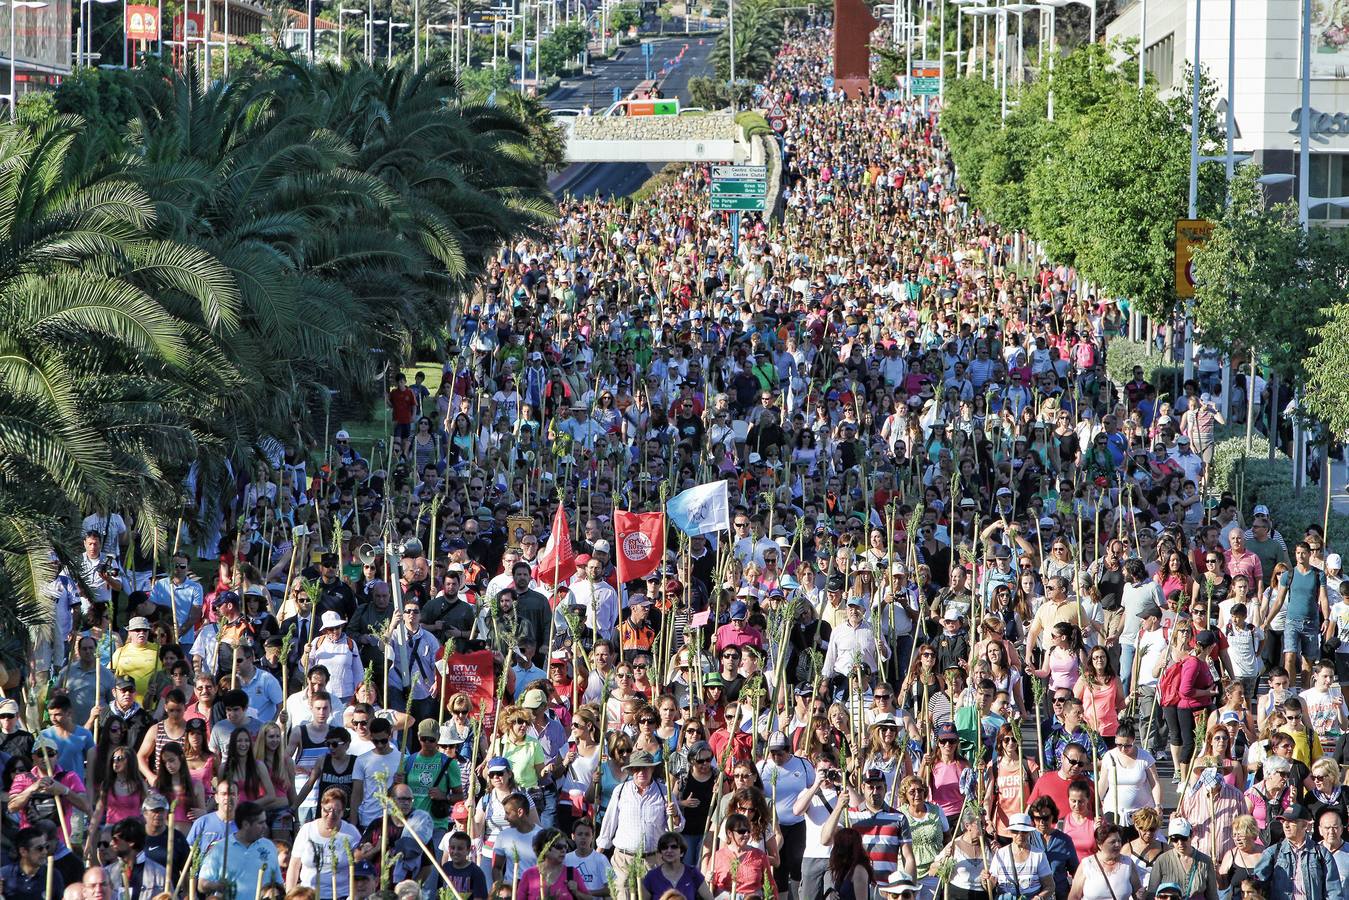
x: 691, y: 136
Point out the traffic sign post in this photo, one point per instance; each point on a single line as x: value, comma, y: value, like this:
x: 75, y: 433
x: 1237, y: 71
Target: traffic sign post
x: 739, y: 188
x: 925, y: 78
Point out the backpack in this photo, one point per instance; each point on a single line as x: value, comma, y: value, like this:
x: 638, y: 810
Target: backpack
x: 1168, y: 688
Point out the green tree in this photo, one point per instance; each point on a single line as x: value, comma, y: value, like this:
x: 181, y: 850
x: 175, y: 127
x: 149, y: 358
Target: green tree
x: 97, y: 362
x: 1252, y: 281
x: 758, y: 37
x: 624, y: 16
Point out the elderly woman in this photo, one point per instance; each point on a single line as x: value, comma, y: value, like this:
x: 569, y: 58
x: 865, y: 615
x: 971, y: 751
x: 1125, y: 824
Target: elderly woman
x: 1239, y: 863
x: 1018, y: 869
x: 1325, y: 789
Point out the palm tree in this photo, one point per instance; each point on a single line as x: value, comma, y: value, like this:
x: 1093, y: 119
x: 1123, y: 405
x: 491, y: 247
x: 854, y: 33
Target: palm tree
x: 95, y: 367
x: 758, y: 36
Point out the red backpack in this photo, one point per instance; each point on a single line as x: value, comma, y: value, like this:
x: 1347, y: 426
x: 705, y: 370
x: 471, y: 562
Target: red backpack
x: 1168, y: 688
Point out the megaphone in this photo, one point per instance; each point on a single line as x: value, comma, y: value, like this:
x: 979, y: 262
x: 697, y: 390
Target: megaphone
x: 369, y: 554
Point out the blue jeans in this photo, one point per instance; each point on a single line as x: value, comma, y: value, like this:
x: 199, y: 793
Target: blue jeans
x: 1126, y: 665
x: 1302, y: 638
x: 693, y: 855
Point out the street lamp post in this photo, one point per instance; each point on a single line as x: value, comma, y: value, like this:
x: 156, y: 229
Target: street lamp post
x: 1020, y: 9
x: 388, y: 58
x: 84, y: 42
x: 342, y: 14
x: 1089, y: 4
x: 1142, y: 41
x: 14, y: 7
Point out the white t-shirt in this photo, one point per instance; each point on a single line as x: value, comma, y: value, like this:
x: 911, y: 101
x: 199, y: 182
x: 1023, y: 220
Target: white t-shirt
x: 517, y: 849
x: 1021, y: 878
x: 367, y: 770
x: 315, y: 854
x: 1150, y: 651
x: 1243, y: 649
x: 816, y: 815
x: 1324, y: 709
x: 791, y: 779
x: 593, y: 869
x: 1339, y: 614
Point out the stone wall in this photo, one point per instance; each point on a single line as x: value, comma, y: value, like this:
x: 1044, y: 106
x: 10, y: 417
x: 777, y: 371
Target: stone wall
x: 711, y: 127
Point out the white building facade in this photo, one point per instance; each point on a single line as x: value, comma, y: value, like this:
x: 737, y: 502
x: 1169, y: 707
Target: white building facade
x: 1266, y: 93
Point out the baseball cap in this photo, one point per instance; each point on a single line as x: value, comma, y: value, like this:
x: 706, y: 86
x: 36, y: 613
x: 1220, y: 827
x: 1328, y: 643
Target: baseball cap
x: 835, y: 583
x: 952, y: 614
x: 534, y: 698
x: 126, y: 681
x: 1168, y: 888
x: 428, y: 729
x: 1179, y: 827
x: 498, y: 764
x: 1260, y: 510
x: 1206, y: 638
x: 1296, y: 812
x: 778, y: 741
x: 739, y: 610
x: 857, y: 602
x: 9, y: 706
x: 343, y: 435
x: 1333, y: 561
x: 601, y: 546
x: 873, y: 775
x: 946, y: 731
x: 154, y: 800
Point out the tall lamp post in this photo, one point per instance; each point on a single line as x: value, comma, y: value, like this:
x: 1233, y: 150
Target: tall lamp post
x: 342, y: 14
x: 14, y: 7
x: 1089, y: 4
x: 84, y: 43
x: 388, y: 50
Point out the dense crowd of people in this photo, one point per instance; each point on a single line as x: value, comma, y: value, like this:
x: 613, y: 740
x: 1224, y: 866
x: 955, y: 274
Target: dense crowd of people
x: 974, y: 624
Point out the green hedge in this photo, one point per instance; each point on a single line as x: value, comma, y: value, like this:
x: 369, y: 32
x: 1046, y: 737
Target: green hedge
x: 753, y: 122
x: 1121, y: 355
x: 1257, y: 479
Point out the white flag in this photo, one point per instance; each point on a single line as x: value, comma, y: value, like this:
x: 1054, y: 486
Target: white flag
x: 701, y: 509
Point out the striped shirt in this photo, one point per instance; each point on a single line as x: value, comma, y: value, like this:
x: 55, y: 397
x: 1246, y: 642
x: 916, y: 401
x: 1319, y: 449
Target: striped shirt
x: 884, y: 833
x: 635, y: 820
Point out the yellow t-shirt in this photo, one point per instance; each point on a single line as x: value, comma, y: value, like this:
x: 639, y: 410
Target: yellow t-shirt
x: 1305, y: 750
x: 138, y: 663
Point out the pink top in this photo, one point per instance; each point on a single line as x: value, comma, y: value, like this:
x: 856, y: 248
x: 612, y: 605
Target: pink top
x: 117, y: 807
x: 1082, y: 834
x: 1098, y: 706
x: 559, y: 889
x: 945, y: 786
x: 180, y: 812
x: 1063, y: 669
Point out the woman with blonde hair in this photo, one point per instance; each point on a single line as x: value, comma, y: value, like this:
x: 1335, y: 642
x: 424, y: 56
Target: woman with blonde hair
x: 269, y: 749
x: 1145, y: 847
x: 1239, y: 863
x: 1325, y: 789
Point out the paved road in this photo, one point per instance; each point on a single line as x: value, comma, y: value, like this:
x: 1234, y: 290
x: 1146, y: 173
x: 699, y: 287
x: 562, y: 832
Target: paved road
x: 597, y: 89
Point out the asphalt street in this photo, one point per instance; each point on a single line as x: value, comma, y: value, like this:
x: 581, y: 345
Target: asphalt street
x: 597, y: 89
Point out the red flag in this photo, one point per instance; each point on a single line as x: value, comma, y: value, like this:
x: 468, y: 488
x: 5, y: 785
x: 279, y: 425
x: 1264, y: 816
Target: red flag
x: 641, y: 544
x: 557, y: 562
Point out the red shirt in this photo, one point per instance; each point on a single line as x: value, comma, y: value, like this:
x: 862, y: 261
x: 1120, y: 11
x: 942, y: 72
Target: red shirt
x: 402, y: 401
x: 741, y: 745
